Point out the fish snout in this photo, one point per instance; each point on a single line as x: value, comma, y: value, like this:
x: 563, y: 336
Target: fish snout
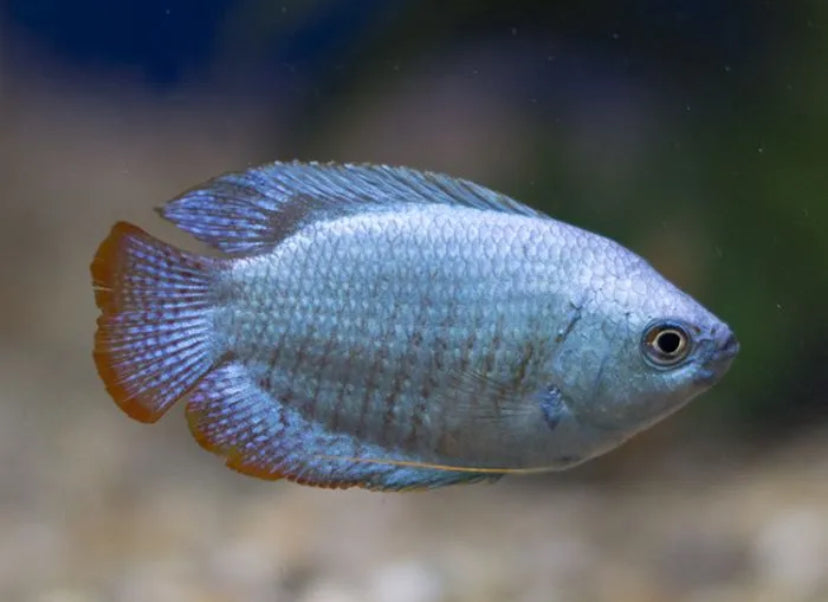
x: 729, y: 348
x: 723, y: 348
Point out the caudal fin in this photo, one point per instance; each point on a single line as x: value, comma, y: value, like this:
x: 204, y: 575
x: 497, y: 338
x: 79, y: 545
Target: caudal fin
x: 153, y: 341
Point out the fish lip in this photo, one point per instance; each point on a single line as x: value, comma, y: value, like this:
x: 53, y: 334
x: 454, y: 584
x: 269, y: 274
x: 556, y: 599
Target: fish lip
x: 728, y: 349
x: 719, y: 361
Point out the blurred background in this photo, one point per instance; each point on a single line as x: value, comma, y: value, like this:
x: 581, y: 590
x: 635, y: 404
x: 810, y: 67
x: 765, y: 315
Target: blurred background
x: 693, y: 131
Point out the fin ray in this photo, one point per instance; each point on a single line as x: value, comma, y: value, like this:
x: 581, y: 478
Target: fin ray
x: 250, y: 211
x: 153, y: 337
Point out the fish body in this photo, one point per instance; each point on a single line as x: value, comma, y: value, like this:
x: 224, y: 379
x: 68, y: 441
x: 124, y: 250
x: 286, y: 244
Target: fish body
x: 392, y: 329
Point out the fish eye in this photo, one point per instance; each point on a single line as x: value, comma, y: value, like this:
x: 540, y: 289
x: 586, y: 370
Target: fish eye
x: 665, y: 343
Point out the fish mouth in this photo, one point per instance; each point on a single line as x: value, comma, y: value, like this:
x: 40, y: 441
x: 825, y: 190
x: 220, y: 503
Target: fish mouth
x: 720, y: 359
x: 728, y: 349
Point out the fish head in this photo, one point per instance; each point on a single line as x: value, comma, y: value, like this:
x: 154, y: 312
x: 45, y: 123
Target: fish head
x: 641, y: 352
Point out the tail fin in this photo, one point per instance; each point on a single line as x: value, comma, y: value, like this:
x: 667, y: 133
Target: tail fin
x: 153, y: 341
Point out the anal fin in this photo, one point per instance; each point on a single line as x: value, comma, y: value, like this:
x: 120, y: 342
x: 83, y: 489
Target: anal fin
x: 232, y: 416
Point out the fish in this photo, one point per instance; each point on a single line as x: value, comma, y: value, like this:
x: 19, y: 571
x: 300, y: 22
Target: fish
x: 392, y: 329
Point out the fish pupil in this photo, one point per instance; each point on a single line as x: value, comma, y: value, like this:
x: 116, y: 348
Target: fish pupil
x: 669, y: 342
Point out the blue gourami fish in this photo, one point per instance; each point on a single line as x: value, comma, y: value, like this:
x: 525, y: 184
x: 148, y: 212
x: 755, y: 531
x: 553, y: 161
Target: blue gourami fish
x: 393, y: 329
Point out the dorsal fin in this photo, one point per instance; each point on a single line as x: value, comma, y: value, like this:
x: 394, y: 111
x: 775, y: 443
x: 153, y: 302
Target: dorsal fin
x: 251, y: 211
